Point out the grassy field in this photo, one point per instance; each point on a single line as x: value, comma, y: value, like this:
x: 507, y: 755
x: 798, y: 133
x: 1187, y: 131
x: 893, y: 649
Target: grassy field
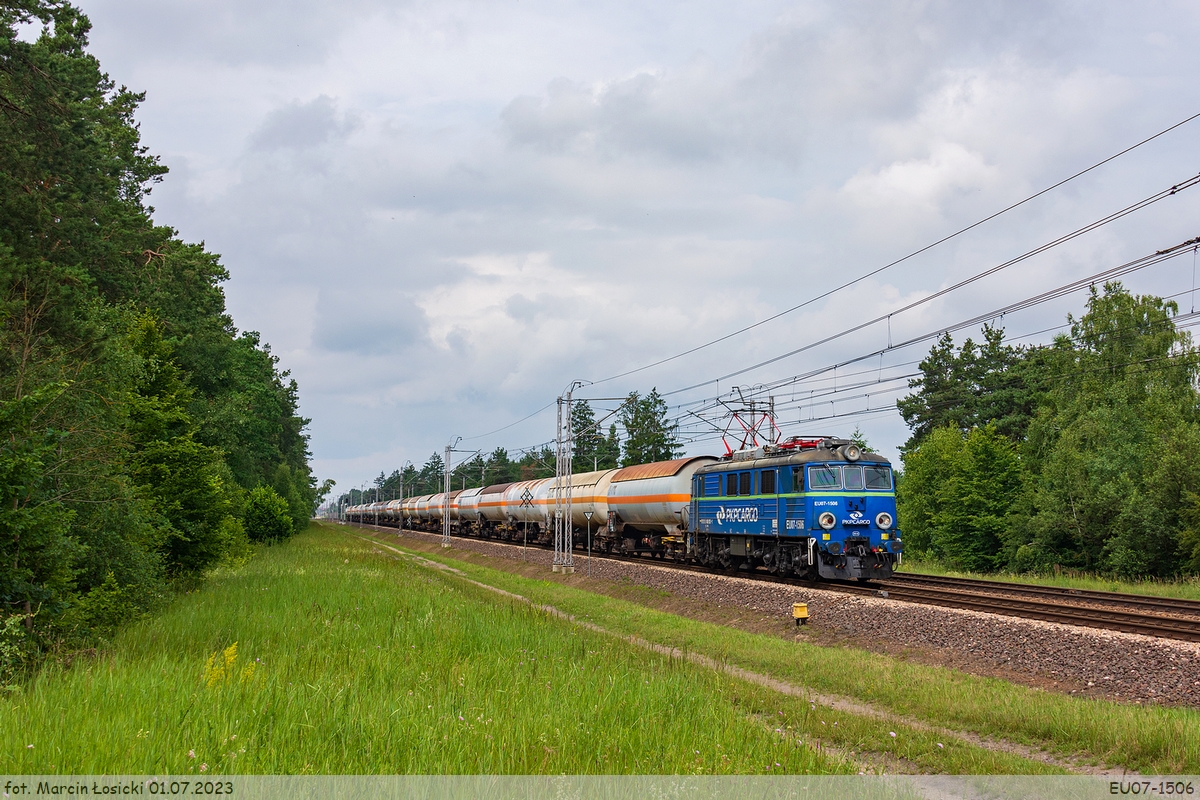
x: 331, y: 654
x: 1148, y: 739
x: 323, y: 656
x: 1185, y: 588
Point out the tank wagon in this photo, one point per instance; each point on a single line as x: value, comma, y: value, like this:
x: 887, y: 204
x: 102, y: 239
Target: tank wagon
x: 813, y: 507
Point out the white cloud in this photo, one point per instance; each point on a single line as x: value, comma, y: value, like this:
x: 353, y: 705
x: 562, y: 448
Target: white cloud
x: 920, y: 188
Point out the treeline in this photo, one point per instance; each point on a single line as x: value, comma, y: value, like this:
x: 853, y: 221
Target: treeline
x: 637, y: 433
x: 1082, y: 454
x: 143, y: 439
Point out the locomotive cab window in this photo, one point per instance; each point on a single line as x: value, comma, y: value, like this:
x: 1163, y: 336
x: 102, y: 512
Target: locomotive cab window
x: 744, y: 486
x: 768, y: 482
x: 797, y: 479
x: 699, y: 490
x: 824, y: 476
x: 879, y: 478
x: 852, y: 478
x: 731, y: 484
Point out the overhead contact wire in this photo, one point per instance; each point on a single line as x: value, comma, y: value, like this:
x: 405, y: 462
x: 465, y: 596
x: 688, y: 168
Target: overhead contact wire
x: 901, y: 260
x: 1179, y: 187
x: 1020, y: 305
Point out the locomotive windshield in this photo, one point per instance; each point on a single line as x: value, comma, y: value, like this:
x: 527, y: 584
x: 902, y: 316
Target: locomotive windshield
x: 870, y: 477
x: 824, y: 476
x: 878, y: 478
x: 852, y: 478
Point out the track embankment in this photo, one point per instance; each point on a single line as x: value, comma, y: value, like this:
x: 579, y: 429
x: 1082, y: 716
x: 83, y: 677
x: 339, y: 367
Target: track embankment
x: 1081, y: 661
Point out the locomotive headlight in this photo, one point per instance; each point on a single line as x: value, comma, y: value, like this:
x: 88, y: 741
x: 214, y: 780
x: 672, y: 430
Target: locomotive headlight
x: 884, y: 520
x: 827, y: 520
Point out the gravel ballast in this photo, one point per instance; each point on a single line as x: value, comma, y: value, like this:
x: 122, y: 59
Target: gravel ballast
x: 1083, y: 661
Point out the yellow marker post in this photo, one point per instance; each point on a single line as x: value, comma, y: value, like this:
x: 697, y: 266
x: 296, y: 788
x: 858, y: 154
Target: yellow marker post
x: 800, y: 613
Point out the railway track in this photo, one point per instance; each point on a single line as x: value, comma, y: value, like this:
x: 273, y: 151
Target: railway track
x: 1147, y: 602
x: 995, y: 598
x: 1141, y: 614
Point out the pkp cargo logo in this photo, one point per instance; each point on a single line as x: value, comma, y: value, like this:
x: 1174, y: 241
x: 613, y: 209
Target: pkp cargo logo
x: 737, y: 514
x: 856, y: 518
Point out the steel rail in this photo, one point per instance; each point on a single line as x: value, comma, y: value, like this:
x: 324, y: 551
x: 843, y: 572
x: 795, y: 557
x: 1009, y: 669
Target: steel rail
x: 1089, y: 595
x: 1107, y: 619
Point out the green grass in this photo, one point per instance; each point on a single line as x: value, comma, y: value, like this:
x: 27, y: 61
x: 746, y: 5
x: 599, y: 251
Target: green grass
x: 1148, y: 739
x: 1183, y: 588
x: 322, y: 656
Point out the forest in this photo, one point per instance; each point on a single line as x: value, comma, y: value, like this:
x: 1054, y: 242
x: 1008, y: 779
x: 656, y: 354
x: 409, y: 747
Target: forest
x: 1079, y: 455
x: 143, y: 438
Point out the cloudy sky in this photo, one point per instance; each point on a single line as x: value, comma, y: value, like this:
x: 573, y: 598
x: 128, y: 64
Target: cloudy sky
x: 441, y: 213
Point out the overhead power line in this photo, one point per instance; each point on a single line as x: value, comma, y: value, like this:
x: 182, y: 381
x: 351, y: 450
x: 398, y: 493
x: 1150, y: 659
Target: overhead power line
x: 509, y: 425
x: 1149, y: 365
x: 863, y: 277
x: 1144, y: 203
x: 901, y: 260
x: 1020, y: 305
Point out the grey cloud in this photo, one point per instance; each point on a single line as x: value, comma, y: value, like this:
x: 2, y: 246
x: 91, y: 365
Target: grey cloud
x: 235, y: 32
x: 520, y: 307
x: 840, y: 64
x: 303, y: 125
x: 643, y: 114
x: 364, y: 321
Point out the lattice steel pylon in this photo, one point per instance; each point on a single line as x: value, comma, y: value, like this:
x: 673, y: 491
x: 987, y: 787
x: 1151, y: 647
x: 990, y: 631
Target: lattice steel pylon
x: 446, y: 497
x: 564, y: 544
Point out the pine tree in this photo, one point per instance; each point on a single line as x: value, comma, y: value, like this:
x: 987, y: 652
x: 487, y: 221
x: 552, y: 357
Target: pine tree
x: 499, y: 468
x: 1112, y: 467
x: 432, y: 479
x: 649, y: 435
x: 588, y: 440
x: 469, y: 474
x: 860, y: 439
x: 609, y: 454
x: 979, y: 384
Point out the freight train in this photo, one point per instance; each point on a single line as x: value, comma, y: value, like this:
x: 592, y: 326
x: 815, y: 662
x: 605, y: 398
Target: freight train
x: 809, y: 507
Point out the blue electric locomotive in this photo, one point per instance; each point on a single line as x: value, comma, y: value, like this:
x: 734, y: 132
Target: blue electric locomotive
x: 809, y: 507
